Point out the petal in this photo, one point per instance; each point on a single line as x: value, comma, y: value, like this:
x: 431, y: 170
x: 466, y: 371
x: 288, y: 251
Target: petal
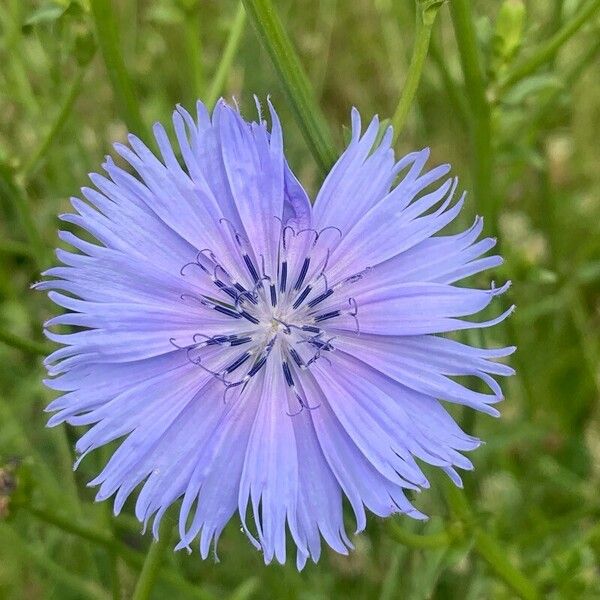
x: 269, y: 480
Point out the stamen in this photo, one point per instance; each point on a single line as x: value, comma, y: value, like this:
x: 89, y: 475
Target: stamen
x: 297, y: 359
x: 251, y: 268
x: 302, y: 296
x: 273, y: 296
x: 249, y: 317
x: 320, y: 298
x: 287, y: 373
x: 328, y: 315
x: 227, y: 311
x: 283, y: 277
x: 310, y: 329
x: 302, y: 274
x: 237, y: 363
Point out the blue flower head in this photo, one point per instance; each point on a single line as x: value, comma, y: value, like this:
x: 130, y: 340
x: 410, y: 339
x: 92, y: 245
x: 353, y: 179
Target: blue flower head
x: 261, y: 356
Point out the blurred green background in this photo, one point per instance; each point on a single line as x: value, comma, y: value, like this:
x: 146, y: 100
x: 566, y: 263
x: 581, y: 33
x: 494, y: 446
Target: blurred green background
x: 533, y: 501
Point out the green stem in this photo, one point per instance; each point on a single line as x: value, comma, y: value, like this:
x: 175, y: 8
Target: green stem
x: 487, y: 547
x: 231, y: 48
x: 546, y: 107
x: 24, y: 212
x: 455, y: 95
x: 82, y: 587
x: 416, y: 540
x: 311, y: 120
x: 24, y: 344
x: 480, y: 122
x: 61, y: 118
x: 14, y: 248
x: 495, y: 556
x: 193, y: 50
x: 107, y: 29
x: 548, y: 49
x: 101, y: 538
x: 425, y: 18
x: 152, y: 564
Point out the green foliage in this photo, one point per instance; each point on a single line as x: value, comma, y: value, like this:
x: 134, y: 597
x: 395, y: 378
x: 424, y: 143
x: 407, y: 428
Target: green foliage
x: 507, y: 92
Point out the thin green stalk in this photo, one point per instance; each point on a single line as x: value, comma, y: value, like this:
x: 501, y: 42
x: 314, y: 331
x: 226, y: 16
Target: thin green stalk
x: 480, y: 122
x: 311, y: 120
x: 487, y: 547
x: 495, y: 556
x: 389, y: 587
x: 246, y: 589
x: 14, y: 248
x: 16, y: 196
x: 24, y: 344
x: 107, y: 29
x: 152, y: 564
x: 425, y: 18
x: 115, y: 581
x: 544, y: 109
x: 231, y: 48
x: 547, y: 50
x: 82, y: 587
x: 193, y: 50
x: 61, y: 117
x: 101, y: 538
x: 416, y: 540
x: 456, y: 96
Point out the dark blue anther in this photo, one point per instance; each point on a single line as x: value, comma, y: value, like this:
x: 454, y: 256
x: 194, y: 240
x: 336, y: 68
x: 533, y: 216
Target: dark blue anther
x: 283, y: 280
x: 287, y: 373
x: 250, y: 318
x: 238, y: 341
x: 329, y: 315
x: 237, y: 363
x: 296, y: 357
x: 227, y: 311
x: 321, y: 344
x: 300, y: 299
x: 223, y: 286
x: 273, y: 296
x: 251, y: 268
x: 244, y: 293
x: 320, y: 298
x: 257, y: 366
x: 303, y: 273
x: 310, y: 329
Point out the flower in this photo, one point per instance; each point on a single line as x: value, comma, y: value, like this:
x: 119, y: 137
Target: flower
x: 261, y: 355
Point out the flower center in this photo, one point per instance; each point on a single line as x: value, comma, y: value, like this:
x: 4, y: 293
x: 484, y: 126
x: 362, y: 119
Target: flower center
x: 286, y: 302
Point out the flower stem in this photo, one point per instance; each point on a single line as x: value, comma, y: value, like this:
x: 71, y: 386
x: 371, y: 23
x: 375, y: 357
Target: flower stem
x: 425, y: 18
x: 107, y: 29
x: 231, y: 48
x: 416, y: 540
x: 63, y: 114
x: 495, y: 556
x: 487, y: 547
x: 311, y: 120
x: 548, y: 49
x: 480, y: 121
x: 16, y: 249
x: 192, y: 38
x: 24, y: 213
x: 82, y: 587
x: 101, y: 538
x: 24, y: 344
x: 151, y: 568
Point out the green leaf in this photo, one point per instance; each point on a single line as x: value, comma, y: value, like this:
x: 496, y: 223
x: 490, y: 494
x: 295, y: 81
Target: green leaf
x: 294, y: 80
